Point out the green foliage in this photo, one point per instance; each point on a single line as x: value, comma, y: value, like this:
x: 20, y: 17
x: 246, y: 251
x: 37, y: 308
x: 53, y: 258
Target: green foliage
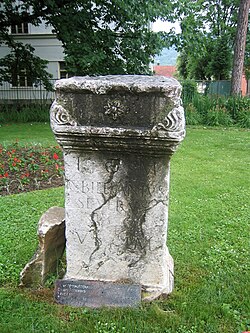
x: 219, y: 59
x: 218, y: 116
x: 29, y: 168
x: 207, y: 37
x: 189, y: 90
x: 193, y: 117
x: 214, y: 62
x: 104, y: 37
x: 25, y: 114
x: 216, y: 111
x: 21, y: 61
x: 99, y: 37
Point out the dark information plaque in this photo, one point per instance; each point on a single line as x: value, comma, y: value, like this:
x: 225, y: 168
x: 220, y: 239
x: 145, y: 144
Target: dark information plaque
x: 97, y: 294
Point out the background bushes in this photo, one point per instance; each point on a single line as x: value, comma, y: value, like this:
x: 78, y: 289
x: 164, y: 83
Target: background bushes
x: 200, y: 109
x: 24, y: 113
x: 214, y: 110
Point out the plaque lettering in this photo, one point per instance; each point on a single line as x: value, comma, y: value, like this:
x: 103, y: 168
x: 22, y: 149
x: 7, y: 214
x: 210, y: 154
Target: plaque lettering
x: 96, y: 294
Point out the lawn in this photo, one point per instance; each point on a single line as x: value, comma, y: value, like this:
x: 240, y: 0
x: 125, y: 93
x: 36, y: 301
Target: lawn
x: 30, y: 133
x: 208, y: 238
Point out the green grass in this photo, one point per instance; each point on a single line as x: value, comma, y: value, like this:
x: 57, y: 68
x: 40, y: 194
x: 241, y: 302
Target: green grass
x: 31, y: 133
x: 208, y: 238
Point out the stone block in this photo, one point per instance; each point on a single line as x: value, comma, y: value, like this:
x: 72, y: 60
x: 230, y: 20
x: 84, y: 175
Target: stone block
x: 51, y: 234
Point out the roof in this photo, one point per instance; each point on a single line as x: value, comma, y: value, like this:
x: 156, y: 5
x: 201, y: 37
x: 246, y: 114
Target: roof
x: 167, y: 71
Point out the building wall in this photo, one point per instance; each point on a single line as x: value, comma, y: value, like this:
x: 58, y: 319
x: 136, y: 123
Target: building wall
x: 46, y: 46
x: 244, y: 85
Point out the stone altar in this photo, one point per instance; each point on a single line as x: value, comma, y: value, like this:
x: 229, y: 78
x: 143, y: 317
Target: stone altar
x: 118, y: 134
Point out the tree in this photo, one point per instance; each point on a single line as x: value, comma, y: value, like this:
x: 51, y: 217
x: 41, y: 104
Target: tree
x: 99, y: 37
x: 207, y: 37
x: 21, y: 61
x: 108, y: 37
x: 240, y: 45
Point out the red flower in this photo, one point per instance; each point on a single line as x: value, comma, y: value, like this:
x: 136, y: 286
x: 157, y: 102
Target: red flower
x: 57, y: 166
x: 6, y: 175
x: 14, y: 164
x: 55, y: 156
x: 26, y: 175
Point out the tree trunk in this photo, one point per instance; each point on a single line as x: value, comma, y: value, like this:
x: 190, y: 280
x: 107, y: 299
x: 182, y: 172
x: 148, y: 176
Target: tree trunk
x: 240, y: 45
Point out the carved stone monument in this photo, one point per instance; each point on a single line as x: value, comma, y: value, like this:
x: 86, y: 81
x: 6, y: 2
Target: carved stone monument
x: 118, y: 134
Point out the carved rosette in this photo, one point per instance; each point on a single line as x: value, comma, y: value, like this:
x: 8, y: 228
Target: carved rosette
x: 114, y: 109
x: 60, y: 116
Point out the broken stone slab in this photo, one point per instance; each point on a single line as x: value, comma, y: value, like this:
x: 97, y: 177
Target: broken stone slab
x: 51, y: 234
x: 118, y: 134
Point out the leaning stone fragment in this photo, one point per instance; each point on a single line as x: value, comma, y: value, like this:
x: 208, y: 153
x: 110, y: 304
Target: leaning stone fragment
x: 51, y: 233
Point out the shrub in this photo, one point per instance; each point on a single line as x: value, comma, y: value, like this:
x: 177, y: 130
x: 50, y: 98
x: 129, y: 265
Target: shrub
x: 237, y: 105
x: 218, y: 111
x: 189, y: 90
x: 218, y: 116
x: 192, y: 116
x: 24, y: 114
x: 243, y: 118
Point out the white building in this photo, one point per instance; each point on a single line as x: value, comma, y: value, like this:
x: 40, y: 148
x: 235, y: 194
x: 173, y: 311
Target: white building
x: 47, y: 47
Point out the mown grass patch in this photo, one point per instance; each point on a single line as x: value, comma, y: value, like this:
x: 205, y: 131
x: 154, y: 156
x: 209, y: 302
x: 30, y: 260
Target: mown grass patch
x: 31, y: 133
x: 208, y: 238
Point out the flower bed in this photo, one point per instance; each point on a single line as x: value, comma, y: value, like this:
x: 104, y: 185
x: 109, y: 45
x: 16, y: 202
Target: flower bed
x: 30, y: 168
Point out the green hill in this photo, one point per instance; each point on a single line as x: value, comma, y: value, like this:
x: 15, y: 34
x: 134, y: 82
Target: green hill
x: 167, y: 57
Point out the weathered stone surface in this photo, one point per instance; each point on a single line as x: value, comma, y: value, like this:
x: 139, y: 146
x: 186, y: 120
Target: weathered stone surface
x: 96, y: 294
x: 51, y: 233
x: 118, y: 134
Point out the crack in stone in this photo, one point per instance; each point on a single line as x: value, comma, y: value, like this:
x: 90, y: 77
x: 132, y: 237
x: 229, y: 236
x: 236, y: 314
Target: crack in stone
x: 135, y: 237
x: 112, y: 166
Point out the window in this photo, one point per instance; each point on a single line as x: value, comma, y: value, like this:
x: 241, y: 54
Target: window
x: 63, y: 74
x: 21, y: 79
x: 21, y: 28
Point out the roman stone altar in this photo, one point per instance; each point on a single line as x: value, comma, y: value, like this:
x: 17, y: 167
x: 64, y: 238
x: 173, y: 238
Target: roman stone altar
x: 118, y: 134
